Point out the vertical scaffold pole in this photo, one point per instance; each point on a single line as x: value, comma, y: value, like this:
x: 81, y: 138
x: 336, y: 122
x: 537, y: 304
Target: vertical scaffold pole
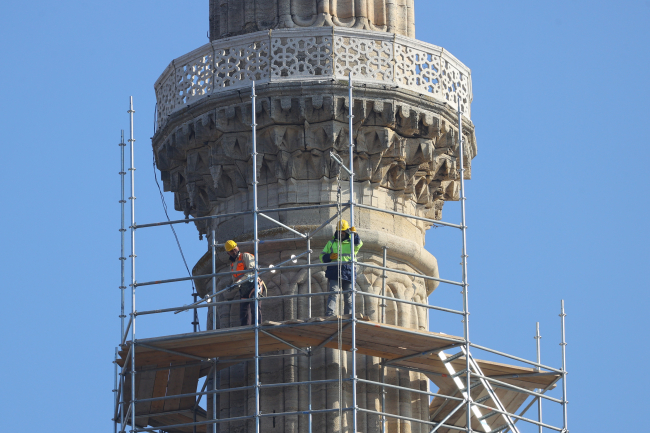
x: 122, y: 260
x: 256, y: 248
x: 122, y: 231
x: 309, y: 400
x: 383, y: 286
x: 116, y: 396
x: 132, y: 256
x: 539, y: 361
x: 383, y: 320
x: 214, y: 327
x: 464, y: 262
x: 353, y: 261
x: 564, y: 372
x: 310, y: 352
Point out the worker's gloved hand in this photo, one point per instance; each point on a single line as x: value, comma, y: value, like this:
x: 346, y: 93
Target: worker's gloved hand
x: 334, y: 256
x: 353, y: 229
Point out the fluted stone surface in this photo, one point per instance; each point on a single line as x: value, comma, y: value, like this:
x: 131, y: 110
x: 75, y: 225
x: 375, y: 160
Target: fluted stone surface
x: 234, y: 17
x: 405, y: 159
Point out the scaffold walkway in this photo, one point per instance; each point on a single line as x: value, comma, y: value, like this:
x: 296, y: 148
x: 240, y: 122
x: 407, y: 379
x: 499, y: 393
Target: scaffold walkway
x: 397, y: 347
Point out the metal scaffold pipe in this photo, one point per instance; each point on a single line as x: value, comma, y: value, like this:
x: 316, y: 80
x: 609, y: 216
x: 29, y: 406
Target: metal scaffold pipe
x: 122, y: 230
x: 564, y: 372
x: 213, y: 249
x: 382, y: 370
x: 352, y: 259
x: 116, y: 395
x: 132, y: 256
x: 309, y: 377
x: 464, y: 263
x: 256, y: 252
x: 538, y: 339
x: 122, y: 260
x: 383, y: 285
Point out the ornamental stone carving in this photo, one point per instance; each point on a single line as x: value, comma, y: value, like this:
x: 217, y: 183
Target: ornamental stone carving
x: 234, y: 17
x: 405, y: 159
x: 313, y: 54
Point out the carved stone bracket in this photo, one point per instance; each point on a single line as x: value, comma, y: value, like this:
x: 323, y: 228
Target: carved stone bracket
x: 402, y: 151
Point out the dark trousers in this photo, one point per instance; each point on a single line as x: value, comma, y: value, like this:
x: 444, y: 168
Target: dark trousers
x: 334, y: 294
x: 247, y: 290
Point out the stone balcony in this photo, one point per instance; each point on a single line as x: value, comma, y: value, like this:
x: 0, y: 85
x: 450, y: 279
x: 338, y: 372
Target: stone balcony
x: 313, y: 54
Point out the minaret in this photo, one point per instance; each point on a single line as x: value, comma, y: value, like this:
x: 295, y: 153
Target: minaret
x: 300, y: 54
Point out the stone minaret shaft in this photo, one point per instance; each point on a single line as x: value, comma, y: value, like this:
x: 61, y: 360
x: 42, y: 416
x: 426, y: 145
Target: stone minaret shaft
x: 234, y: 17
x: 299, y: 53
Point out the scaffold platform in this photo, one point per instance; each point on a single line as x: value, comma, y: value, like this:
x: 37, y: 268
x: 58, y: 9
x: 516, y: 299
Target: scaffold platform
x: 173, y: 364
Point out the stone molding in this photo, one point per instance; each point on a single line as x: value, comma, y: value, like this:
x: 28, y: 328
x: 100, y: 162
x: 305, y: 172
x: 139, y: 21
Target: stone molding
x: 312, y: 54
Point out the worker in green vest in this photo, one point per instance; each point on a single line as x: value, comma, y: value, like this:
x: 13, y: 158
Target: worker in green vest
x: 338, y: 253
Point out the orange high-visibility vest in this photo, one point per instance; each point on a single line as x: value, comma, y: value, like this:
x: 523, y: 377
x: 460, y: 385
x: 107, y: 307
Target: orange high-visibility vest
x: 238, y: 265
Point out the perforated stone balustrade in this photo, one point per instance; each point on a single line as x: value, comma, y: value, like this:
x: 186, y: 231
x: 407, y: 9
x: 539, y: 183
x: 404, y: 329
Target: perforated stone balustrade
x: 313, y: 54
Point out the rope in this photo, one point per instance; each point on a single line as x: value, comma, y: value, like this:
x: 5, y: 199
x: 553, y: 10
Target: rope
x: 341, y: 299
x: 180, y: 249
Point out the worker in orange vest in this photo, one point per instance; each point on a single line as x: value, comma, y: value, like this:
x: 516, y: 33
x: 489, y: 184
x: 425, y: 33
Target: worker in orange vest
x: 240, y: 261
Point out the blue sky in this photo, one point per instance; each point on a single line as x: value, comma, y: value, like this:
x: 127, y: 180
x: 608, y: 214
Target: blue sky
x: 557, y: 206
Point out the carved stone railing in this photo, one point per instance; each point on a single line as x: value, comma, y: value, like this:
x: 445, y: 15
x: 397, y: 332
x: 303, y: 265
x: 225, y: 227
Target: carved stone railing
x: 313, y: 54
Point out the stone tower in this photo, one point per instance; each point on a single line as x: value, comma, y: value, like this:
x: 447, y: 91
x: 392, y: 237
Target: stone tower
x: 299, y: 53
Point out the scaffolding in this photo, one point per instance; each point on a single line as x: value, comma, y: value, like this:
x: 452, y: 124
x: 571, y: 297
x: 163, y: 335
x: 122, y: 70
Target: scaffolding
x: 427, y: 355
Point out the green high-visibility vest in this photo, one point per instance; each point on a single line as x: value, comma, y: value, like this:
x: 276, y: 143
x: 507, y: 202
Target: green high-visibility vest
x: 345, y: 254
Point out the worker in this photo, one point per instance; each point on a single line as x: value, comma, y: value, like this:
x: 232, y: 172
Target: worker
x: 240, y: 261
x: 338, y: 252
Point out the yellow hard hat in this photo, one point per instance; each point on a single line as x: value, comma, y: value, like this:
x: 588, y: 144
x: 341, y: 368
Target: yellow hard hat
x: 230, y: 245
x: 342, y: 225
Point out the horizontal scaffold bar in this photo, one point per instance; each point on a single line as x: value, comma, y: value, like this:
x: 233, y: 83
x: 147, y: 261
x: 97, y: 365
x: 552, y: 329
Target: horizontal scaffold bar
x: 313, y: 265
x: 291, y: 209
x: 194, y: 394
x: 406, y: 418
x: 265, y: 241
x: 234, y: 301
x: 287, y: 384
x: 496, y: 352
x: 412, y: 274
x: 403, y: 301
x: 403, y: 388
x: 171, y: 412
x: 429, y: 220
x: 514, y: 387
x: 233, y: 214
x: 189, y: 220
x: 298, y: 295
x: 177, y: 280
x: 173, y: 367
x: 238, y: 418
x: 518, y: 417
